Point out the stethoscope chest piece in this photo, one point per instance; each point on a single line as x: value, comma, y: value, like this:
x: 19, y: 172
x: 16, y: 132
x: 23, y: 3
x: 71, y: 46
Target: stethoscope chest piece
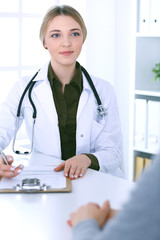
x: 101, y: 111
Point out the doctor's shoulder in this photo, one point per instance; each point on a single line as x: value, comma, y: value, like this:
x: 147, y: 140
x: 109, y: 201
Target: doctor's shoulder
x: 104, y: 88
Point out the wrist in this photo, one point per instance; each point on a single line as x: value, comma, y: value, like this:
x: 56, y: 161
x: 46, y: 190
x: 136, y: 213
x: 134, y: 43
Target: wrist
x: 87, y: 159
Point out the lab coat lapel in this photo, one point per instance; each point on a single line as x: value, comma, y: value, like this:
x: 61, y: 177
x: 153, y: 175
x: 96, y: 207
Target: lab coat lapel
x: 82, y: 103
x: 45, y: 98
x: 44, y: 94
x: 84, y: 97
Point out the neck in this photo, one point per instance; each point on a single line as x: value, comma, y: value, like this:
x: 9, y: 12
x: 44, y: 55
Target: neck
x: 64, y: 73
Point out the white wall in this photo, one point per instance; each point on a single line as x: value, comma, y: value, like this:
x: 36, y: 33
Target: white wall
x: 124, y: 81
x: 100, y: 43
x: 108, y: 53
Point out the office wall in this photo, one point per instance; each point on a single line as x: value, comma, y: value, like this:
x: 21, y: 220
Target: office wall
x: 125, y: 30
x: 100, y: 43
x: 108, y: 50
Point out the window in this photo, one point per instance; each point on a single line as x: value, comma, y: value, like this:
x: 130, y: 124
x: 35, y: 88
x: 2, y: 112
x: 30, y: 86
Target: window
x: 20, y: 47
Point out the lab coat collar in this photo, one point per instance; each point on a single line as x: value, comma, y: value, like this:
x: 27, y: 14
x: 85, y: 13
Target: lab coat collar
x: 86, y: 85
x: 42, y: 75
x: 43, y: 72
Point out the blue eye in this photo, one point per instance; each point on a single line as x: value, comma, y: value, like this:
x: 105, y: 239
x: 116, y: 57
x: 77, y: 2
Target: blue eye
x: 75, y: 34
x: 56, y: 35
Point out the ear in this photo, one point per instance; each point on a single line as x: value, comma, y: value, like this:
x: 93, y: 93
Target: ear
x: 44, y: 45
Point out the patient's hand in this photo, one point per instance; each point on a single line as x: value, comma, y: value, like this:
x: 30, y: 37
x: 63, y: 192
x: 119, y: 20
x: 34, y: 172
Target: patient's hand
x: 92, y: 211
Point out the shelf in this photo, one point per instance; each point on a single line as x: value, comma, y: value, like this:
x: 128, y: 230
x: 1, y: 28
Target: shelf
x: 147, y: 34
x: 144, y: 150
x: 148, y: 93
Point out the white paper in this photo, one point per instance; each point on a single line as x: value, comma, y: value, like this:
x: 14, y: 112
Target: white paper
x: 45, y: 174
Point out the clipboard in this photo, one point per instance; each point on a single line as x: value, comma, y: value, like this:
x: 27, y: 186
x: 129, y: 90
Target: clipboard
x: 35, y: 184
x: 68, y: 188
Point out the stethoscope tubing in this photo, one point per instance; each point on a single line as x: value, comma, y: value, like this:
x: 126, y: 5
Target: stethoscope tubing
x: 30, y: 86
x: 101, y: 111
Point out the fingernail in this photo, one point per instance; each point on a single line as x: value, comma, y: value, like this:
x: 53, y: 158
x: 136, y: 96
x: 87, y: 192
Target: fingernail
x: 75, y: 176
x: 12, y: 168
x: 66, y: 174
x: 10, y: 158
x: 19, y: 171
x: 21, y: 166
x: 72, y: 176
x: 80, y: 174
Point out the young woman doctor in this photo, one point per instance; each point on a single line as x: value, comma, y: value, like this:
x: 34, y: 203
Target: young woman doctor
x: 67, y: 124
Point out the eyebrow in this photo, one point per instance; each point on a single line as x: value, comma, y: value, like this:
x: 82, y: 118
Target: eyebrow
x: 72, y: 30
x: 75, y: 29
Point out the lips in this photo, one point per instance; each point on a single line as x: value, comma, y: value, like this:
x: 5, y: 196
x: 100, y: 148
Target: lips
x: 66, y: 53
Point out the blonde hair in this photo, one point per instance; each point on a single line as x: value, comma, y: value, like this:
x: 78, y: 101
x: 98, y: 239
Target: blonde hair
x: 61, y: 10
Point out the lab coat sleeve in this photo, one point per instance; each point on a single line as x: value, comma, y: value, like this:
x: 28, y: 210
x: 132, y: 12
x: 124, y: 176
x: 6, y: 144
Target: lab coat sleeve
x: 8, y: 110
x: 108, y: 143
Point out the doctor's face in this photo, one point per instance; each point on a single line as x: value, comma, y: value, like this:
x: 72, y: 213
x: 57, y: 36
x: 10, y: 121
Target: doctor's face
x: 64, y: 40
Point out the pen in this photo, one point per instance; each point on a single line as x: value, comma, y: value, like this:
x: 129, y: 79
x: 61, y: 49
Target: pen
x: 4, y: 158
x: 6, y: 162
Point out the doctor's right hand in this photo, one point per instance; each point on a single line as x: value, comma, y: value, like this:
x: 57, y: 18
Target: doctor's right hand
x: 9, y: 171
x: 74, y: 167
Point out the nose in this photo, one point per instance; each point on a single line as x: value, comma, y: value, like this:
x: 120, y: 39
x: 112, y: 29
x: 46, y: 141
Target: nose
x: 66, y: 41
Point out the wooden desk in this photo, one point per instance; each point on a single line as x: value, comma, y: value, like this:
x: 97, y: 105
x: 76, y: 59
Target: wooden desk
x: 44, y: 216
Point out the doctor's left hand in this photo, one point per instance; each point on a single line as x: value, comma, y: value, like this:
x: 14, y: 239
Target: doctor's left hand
x: 74, y: 167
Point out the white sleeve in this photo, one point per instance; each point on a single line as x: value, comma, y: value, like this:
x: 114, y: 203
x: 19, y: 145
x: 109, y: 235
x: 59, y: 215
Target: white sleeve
x: 8, y: 111
x: 109, y: 142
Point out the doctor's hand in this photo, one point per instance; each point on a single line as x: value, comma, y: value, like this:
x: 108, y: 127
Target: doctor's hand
x: 9, y: 171
x: 74, y: 167
x: 91, y: 211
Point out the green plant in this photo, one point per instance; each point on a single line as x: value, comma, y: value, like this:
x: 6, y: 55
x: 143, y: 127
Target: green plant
x: 156, y: 72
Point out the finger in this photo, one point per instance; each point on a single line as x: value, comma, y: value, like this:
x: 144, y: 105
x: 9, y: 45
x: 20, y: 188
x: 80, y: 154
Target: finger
x: 72, y: 171
x: 69, y: 223
x: 93, y: 204
x: 106, y: 205
x: 10, y: 159
x: 6, y: 174
x: 6, y: 170
x: 104, y: 212
x: 67, y: 168
x: 112, y: 213
x: 18, y: 169
x: 77, y: 172
x: 83, y: 170
x: 59, y: 167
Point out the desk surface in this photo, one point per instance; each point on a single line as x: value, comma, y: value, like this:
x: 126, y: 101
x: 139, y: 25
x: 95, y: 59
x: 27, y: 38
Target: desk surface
x: 43, y: 216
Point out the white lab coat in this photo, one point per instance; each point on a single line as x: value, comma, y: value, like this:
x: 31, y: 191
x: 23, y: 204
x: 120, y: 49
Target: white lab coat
x: 99, y: 137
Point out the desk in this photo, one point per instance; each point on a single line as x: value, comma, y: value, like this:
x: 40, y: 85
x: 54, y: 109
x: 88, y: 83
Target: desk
x: 43, y: 216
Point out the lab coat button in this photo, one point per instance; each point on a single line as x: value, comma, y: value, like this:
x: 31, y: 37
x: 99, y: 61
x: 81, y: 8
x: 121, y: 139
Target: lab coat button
x: 81, y: 135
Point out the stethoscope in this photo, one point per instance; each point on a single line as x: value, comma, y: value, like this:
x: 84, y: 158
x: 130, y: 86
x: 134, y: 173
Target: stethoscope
x: 101, y: 111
